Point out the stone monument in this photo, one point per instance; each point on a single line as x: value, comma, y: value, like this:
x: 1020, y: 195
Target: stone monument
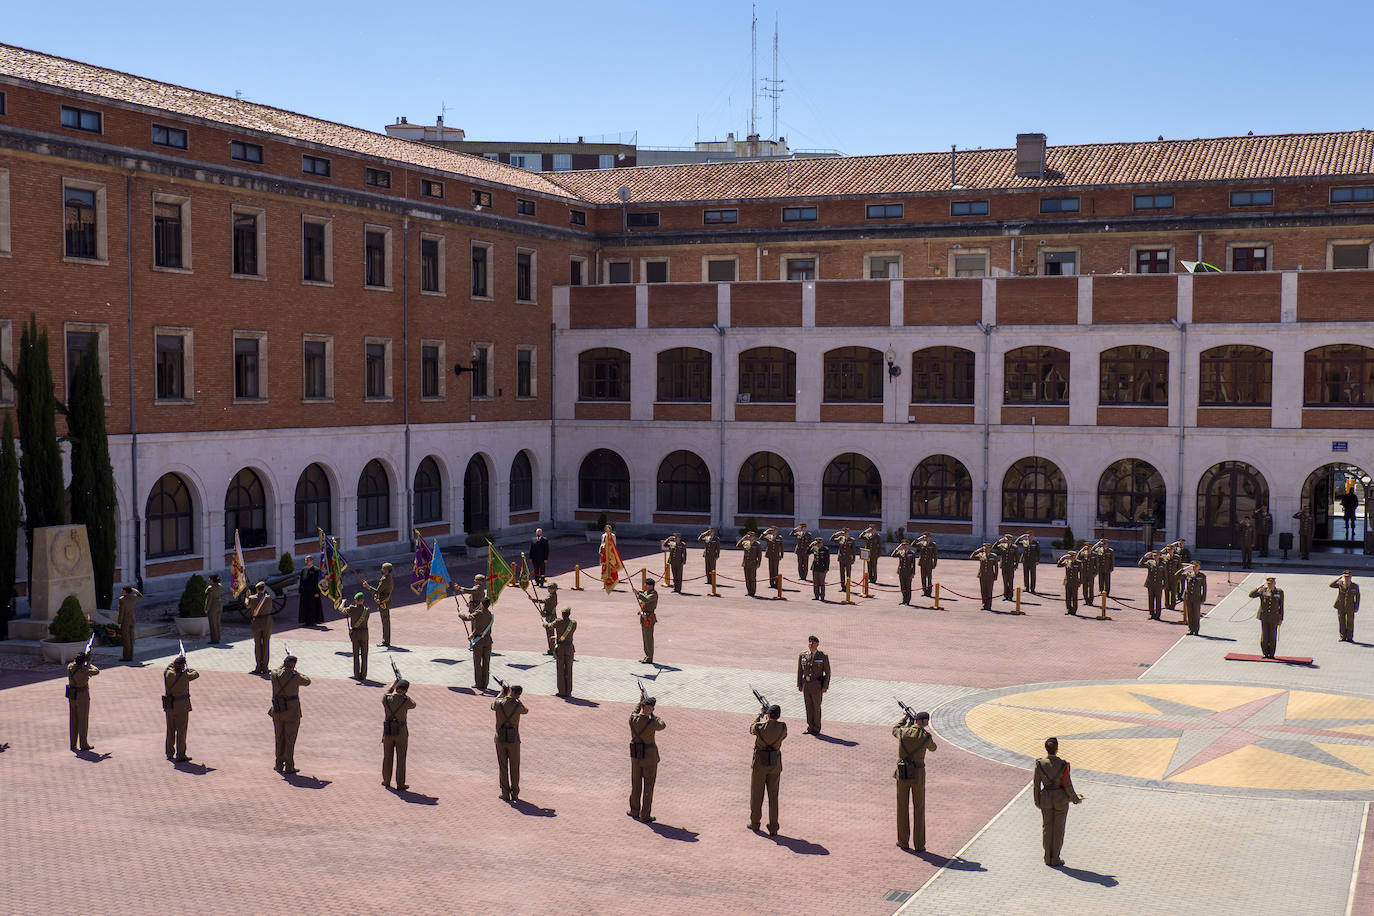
x: 61, y: 567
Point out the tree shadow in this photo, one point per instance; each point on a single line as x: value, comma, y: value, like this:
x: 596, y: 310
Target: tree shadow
x: 92, y: 756
x: 578, y: 701
x: 681, y: 834
x: 1091, y: 877
x: 532, y: 810
x: 957, y: 863
x: 194, y: 769
x: 831, y: 739
x: 415, y: 798
x: 799, y: 846
x: 305, y: 782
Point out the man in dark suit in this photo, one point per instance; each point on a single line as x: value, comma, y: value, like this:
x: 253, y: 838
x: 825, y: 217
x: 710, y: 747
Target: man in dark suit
x: 539, y: 556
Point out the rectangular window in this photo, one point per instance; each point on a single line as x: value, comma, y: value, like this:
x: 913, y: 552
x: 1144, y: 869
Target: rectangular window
x: 171, y: 367
x: 481, y: 263
x: 720, y: 217
x: 641, y: 220
x: 377, y: 178
x: 81, y: 237
x: 494, y: 157
x: 430, y: 371
x: 245, y: 152
x: 801, y: 268
x: 720, y: 270
x: 1154, y: 201
x: 374, y: 258
x: 1059, y: 205
x: 529, y: 161
x: 374, y: 370
x: 524, y: 276
x: 78, y: 342
x: 576, y: 271
x: 433, y: 189
x: 314, y: 252
x: 605, y: 161
x: 884, y: 266
x: 1250, y: 258
x: 1061, y: 263
x: 81, y: 119
x: 655, y: 271
x: 524, y: 207
x: 1152, y: 261
x: 247, y: 366
x: 315, y: 360
x: 798, y: 214
x: 1353, y: 256
x: 562, y: 162
x: 315, y: 165
x: 431, y: 264
x: 3, y: 109
x: 968, y: 208
x: 167, y: 235
x: 481, y: 369
x: 524, y: 372
x: 883, y: 211
x: 970, y: 265
x: 1352, y: 195
x: 577, y: 217
x: 247, y: 229
x: 618, y: 271
x: 174, y: 137
x: 1252, y: 198
x: 481, y: 198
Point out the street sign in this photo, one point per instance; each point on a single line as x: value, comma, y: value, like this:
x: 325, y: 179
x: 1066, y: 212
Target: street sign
x: 1340, y: 446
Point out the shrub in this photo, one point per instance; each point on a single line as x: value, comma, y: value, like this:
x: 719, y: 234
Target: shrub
x: 70, y: 624
x: 192, y: 603
x: 602, y: 522
x: 286, y: 565
x: 1067, y: 541
x: 751, y: 524
x: 478, y: 539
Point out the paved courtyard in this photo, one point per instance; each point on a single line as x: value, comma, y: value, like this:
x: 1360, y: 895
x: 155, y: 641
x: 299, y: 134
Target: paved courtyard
x: 1211, y: 785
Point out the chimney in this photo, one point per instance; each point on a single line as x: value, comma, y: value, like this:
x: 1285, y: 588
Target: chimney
x: 1030, y: 155
x: 403, y: 119
x: 440, y: 121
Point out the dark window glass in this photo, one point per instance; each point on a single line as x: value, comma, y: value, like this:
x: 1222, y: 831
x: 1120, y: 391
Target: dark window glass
x: 1350, y: 257
x: 1134, y: 375
x: 618, y: 271
x: 1036, y: 375
x: 1154, y: 201
x: 481, y: 198
x: 521, y: 483
x: 377, y: 178
x: 524, y: 373
x: 374, y: 497
x: 245, y: 152
x: 316, y: 381
x: 942, y: 375
x: 246, y: 368
x: 1033, y: 492
x: 684, y: 483
x: 854, y: 375
x: 429, y: 493
x: 798, y: 214
x: 78, y: 342
x: 524, y: 207
x: 245, y: 511
x: 1059, y: 205
x: 1235, y: 375
x: 577, y: 217
x: 604, y: 374
x: 314, y: 165
x: 80, y: 223
x: 433, y: 189
x: 374, y: 258
x: 684, y: 374
x: 1061, y: 263
x: 3, y: 109
x: 968, y: 208
x: 851, y: 488
x: 374, y: 370
x: 603, y: 481
x: 575, y: 272
x: 884, y: 266
x: 313, y: 255
x: 655, y: 271
x: 641, y: 220
x: 1252, y: 198
x: 313, y: 502
x: 81, y: 119
x: 429, y: 371
x: 174, y: 137
x: 170, y: 529
x: 171, y: 366
x: 719, y: 217
x: 1129, y: 492
x: 1152, y: 261
x: 768, y: 375
x: 1250, y: 258
x: 167, y: 235
x: 720, y: 271
x: 765, y: 485
x: 481, y: 255
x: 429, y: 265
x: 884, y: 211
x: 799, y: 269
x: 1340, y: 375
x: 481, y: 366
x: 941, y: 488
x: 524, y: 276
x: 1352, y: 195
x: 246, y: 244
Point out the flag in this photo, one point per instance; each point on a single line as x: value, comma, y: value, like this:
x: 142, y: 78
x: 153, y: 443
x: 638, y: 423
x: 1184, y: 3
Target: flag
x: 238, y: 570
x: 436, y: 582
x: 499, y: 573
x: 522, y: 572
x: 419, y: 571
x: 332, y: 566
x: 611, y: 564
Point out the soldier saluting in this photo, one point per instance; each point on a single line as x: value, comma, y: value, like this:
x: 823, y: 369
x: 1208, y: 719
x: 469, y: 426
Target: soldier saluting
x: 1194, y: 594
x: 1070, y: 563
x: 813, y: 680
x: 753, y: 556
x: 1154, y: 582
x: 677, y: 559
x: 804, y: 540
x: 176, y: 703
x: 1030, y: 559
x: 1346, y: 605
x: 873, y: 543
x: 356, y: 613
x: 1270, y: 615
x: 906, y: 569
x: 928, y: 555
x: 987, y: 573
x: 1010, y: 557
x: 644, y: 726
x: 913, y: 741
x: 712, y: 552
x: 845, y: 550
x: 773, y: 549
x: 820, y: 568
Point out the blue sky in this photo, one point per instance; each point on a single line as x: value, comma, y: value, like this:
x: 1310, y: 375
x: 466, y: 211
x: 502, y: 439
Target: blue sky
x: 861, y: 77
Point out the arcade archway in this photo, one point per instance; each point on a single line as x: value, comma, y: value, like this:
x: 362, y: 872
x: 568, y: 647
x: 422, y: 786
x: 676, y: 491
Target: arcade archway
x: 1323, y: 490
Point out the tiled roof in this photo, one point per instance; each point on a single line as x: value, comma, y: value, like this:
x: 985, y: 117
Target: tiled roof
x: 1153, y: 162
x: 124, y: 87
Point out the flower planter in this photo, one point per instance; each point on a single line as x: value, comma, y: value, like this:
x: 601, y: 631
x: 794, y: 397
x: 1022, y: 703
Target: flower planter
x: 193, y: 626
x: 62, y: 652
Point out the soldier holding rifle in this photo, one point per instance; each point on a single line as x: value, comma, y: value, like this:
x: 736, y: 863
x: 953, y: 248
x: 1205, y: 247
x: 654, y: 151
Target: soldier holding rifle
x: 644, y: 725
x: 912, y: 732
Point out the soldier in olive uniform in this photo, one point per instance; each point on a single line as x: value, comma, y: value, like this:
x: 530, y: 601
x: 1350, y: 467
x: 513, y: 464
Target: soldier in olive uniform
x: 1264, y: 527
x: 563, y: 653
x: 913, y: 741
x: 987, y: 573
x: 648, y: 618
x: 79, y: 674
x: 1009, y: 557
x: 214, y: 606
x: 928, y: 556
x: 873, y: 543
x: 396, y: 705
x: 356, y: 613
x: 549, y: 611
x: 286, y: 712
x: 1171, y: 564
x: 259, y: 604
x: 753, y: 556
x: 1194, y: 594
x: 813, y: 680
x: 1087, y: 573
x: 481, y: 620
x: 677, y: 560
x: 769, y: 732
x: 906, y: 569
x: 820, y: 568
x: 711, y: 554
x: 803, y: 549
x: 1105, y: 555
x: 1053, y: 792
x: 773, y: 549
x: 1246, y: 536
x: 1070, y: 563
x: 1347, y: 605
x: 644, y: 727
x: 509, y: 709
x: 176, y: 703
x: 846, y: 548
x: 381, y: 594
x: 1270, y: 615
x: 1307, y: 527
x: 1030, y: 559
x: 474, y: 595
x: 128, y: 620
x: 1154, y: 583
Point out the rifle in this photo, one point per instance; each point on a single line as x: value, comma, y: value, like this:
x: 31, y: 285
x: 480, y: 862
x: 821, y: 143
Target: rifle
x: 643, y: 694
x: 288, y: 650
x: 505, y: 688
x: 394, y: 670
x: 910, y: 713
x: 87, y: 651
x: 763, y: 700
x: 181, y: 649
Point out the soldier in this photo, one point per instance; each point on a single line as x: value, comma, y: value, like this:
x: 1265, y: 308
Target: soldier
x: 1307, y: 526
x: 1154, y: 583
x: 396, y: 704
x: 845, y: 550
x: 927, y: 559
x: 677, y: 559
x: 476, y: 593
x: 873, y: 543
x: 644, y: 726
x: 539, y: 557
x: 1270, y: 615
x: 773, y: 549
x: 1087, y: 573
x: 1173, y: 574
x: 356, y: 613
x: 820, y: 568
x: 753, y: 555
x: 1070, y: 563
x: 1052, y: 790
x: 1264, y: 527
x: 769, y: 732
x: 1347, y: 605
x: 711, y: 554
x: 1009, y: 557
x: 381, y: 593
x: 549, y: 612
x: 1030, y: 559
x: 128, y: 620
x: 813, y: 680
x: 509, y: 709
x: 259, y: 604
x: 286, y: 712
x: 1194, y: 594
x: 1246, y: 536
x: 987, y: 573
x: 79, y: 674
x: 1105, y: 555
x: 480, y: 643
x: 214, y: 606
x: 803, y: 549
x: 648, y: 618
x: 913, y: 741
x: 906, y: 569
x: 563, y: 629
x: 176, y: 703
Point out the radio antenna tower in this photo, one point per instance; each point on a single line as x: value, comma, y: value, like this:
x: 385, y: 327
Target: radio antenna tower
x: 753, y: 67
x: 774, y: 87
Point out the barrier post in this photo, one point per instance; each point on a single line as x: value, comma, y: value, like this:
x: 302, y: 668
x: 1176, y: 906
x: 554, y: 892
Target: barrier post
x: 713, y: 584
x: 848, y: 596
x: 577, y: 579
x: 778, y: 596
x: 1103, y: 614
x: 865, y: 586
x: 1018, y: 602
x: 937, y: 597
x: 667, y: 576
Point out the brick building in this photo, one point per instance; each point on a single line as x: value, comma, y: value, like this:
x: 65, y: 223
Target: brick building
x: 954, y: 341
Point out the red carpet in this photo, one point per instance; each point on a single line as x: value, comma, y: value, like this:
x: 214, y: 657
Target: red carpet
x: 1282, y: 659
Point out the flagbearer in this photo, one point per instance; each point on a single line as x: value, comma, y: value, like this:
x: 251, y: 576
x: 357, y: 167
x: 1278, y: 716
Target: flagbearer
x: 381, y: 593
x: 648, y: 618
x: 214, y: 606
x: 480, y: 643
x: 356, y: 613
x: 176, y: 702
x: 259, y: 603
x: 550, y: 613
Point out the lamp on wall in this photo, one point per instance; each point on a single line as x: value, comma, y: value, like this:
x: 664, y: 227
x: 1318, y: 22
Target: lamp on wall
x: 459, y: 368
x: 893, y: 370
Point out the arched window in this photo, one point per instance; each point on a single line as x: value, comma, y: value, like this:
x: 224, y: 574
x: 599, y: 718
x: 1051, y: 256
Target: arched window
x: 604, y: 374
x: 684, y: 483
x: 765, y: 485
x: 1134, y: 375
x: 169, y: 514
x: 374, y: 497
x: 521, y: 483
x: 429, y: 492
x: 476, y: 496
x: 851, y: 488
x: 1036, y: 375
x: 603, y: 481
x: 1033, y: 491
x: 684, y: 374
x: 941, y: 488
x: 1235, y: 375
x: 854, y: 375
x: 1341, y: 375
x: 313, y: 502
x: 245, y: 509
x: 1131, y: 492
x: 768, y: 375
x: 942, y: 375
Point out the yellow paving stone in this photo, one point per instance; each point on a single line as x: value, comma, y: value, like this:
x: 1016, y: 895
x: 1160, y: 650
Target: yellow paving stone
x: 1255, y: 767
x: 1362, y: 757
x: 1215, y: 697
x: 1090, y: 697
x: 1303, y: 704
x: 1143, y: 758
x: 1025, y: 730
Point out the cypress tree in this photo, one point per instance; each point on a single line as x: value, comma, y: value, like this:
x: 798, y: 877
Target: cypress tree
x: 40, y: 463
x: 9, y: 522
x: 93, y: 489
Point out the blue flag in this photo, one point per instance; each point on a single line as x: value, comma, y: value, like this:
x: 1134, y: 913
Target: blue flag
x: 436, y: 586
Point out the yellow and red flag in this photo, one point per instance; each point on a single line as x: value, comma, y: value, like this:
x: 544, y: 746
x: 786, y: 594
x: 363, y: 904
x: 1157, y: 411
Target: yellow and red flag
x: 238, y: 570
x: 611, y: 565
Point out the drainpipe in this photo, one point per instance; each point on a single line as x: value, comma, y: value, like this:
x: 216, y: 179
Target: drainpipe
x: 987, y: 414
x: 758, y: 263
x: 720, y: 423
x: 405, y: 382
x: 553, y: 424
x: 1182, y: 393
x: 133, y: 428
